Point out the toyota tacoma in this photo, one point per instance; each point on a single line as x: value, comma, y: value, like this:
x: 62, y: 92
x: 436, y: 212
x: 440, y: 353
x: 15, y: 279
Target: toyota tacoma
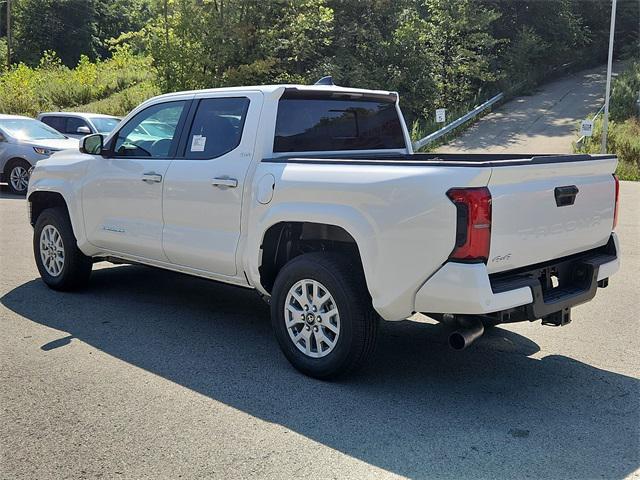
x: 312, y: 196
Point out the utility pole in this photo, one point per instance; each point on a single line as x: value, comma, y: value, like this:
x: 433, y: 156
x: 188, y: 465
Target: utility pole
x: 8, y: 34
x: 605, y: 118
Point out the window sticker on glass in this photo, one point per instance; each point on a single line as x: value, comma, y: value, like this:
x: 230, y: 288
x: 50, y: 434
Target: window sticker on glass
x: 197, y: 143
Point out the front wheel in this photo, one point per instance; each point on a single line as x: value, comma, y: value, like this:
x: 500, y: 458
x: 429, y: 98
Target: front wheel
x: 18, y: 176
x: 61, y: 264
x: 322, y: 315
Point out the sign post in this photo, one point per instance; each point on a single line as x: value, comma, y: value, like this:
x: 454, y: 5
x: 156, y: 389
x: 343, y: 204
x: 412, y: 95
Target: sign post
x: 605, y: 118
x: 441, y: 115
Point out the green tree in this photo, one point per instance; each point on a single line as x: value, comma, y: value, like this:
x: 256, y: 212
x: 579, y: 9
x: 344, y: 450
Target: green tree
x: 461, y: 41
x: 115, y: 17
x: 64, y: 26
x: 363, y: 32
x: 198, y: 44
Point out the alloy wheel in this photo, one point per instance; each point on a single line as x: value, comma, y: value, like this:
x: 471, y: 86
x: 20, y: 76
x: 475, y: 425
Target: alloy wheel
x: 52, y: 250
x: 19, y: 178
x: 312, y: 318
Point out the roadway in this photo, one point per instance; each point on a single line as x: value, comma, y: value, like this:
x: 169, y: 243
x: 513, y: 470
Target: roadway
x: 150, y: 374
x: 544, y: 122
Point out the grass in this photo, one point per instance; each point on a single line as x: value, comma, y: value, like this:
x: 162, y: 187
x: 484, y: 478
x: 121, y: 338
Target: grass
x: 121, y: 103
x: 623, y: 139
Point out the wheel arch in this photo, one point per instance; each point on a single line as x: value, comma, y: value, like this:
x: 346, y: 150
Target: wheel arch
x: 14, y: 159
x: 285, y: 240
x: 40, y: 200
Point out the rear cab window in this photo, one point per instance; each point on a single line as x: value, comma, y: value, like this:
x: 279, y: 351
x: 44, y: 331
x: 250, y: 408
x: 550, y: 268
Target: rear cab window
x: 326, y: 122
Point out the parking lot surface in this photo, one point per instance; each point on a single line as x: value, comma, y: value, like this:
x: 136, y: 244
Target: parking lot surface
x: 151, y: 374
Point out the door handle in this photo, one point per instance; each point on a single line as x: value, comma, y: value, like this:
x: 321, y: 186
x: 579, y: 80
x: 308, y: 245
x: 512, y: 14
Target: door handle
x: 151, y: 177
x: 224, y: 182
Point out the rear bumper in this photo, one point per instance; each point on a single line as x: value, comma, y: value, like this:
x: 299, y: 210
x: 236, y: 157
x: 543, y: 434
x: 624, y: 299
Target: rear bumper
x: 522, y: 294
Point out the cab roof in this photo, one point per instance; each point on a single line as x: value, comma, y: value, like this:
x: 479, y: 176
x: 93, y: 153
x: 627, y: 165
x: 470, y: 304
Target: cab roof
x: 273, y: 89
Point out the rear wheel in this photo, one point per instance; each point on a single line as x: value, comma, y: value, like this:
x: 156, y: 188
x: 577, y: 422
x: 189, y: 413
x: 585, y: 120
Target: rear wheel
x: 61, y: 264
x: 322, y: 315
x: 18, y: 176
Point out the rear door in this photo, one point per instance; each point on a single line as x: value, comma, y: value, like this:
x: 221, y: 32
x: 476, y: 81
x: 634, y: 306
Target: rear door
x: 546, y: 211
x: 204, y: 185
x: 122, y: 194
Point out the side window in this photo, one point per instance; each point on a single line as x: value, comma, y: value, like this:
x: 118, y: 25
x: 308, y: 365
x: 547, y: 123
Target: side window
x: 55, y: 122
x: 217, y: 127
x: 73, y: 123
x: 151, y: 133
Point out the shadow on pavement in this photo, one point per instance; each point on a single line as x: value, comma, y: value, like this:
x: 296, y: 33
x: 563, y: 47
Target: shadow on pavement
x: 420, y: 410
x: 5, y: 194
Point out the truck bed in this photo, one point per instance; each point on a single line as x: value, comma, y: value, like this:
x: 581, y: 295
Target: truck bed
x: 530, y: 223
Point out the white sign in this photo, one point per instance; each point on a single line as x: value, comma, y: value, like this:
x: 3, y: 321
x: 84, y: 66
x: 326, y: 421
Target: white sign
x: 197, y: 143
x: 441, y: 116
x: 586, y: 128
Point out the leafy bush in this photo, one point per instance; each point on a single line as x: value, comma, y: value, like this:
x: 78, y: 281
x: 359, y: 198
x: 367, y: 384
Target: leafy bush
x: 623, y: 136
x: 53, y: 86
x: 623, y: 139
x: 624, y: 94
x: 19, y: 91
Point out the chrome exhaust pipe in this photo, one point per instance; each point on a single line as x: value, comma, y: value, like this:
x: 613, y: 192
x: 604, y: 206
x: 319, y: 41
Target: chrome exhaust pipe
x: 469, y: 330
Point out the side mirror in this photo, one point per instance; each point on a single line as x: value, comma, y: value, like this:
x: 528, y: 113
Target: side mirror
x: 84, y: 130
x: 92, y: 144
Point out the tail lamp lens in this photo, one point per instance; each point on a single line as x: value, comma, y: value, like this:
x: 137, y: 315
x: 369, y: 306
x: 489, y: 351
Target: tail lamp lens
x: 615, y: 209
x: 473, y: 231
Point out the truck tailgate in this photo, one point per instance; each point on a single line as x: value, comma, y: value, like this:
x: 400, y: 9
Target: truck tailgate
x: 535, y: 218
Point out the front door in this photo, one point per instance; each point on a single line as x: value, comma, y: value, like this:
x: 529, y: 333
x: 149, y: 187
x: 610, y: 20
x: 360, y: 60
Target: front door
x: 204, y: 184
x: 122, y: 196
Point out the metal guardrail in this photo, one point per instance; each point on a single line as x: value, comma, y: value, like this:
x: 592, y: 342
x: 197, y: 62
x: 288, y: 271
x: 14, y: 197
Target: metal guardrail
x: 417, y: 145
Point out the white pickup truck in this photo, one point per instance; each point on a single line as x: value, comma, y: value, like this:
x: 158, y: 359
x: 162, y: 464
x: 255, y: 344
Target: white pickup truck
x: 312, y: 196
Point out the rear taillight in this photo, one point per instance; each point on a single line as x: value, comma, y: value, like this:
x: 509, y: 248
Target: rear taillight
x: 615, y: 209
x: 473, y: 231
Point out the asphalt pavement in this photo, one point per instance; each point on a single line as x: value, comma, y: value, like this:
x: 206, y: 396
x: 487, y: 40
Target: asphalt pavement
x: 546, y: 121
x: 151, y: 374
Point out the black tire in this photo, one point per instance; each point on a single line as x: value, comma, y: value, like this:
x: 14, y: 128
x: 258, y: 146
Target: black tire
x: 344, y: 280
x: 76, y: 267
x: 15, y: 164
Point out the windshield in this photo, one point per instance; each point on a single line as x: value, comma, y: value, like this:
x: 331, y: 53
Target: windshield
x: 105, y: 124
x: 28, y: 129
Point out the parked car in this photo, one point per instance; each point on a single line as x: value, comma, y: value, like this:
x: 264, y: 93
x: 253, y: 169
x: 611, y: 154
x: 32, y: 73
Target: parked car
x: 77, y: 125
x: 312, y: 196
x: 23, y: 142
